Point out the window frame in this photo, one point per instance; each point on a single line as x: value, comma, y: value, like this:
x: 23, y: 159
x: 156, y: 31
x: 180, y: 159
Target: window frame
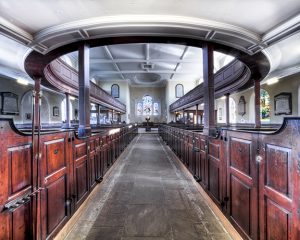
x: 178, y: 85
x: 111, y: 90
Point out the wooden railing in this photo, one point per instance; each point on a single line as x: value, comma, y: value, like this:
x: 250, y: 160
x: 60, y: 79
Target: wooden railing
x: 253, y: 176
x: 65, y: 78
x: 45, y: 178
x: 229, y: 79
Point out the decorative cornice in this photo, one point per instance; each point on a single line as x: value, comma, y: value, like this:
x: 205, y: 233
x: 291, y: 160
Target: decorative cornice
x: 282, y: 31
x: 10, y: 30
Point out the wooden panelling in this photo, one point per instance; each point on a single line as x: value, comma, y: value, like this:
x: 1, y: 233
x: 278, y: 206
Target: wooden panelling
x: 43, y: 184
x: 20, y: 223
x: 80, y: 150
x: 214, y: 150
x: 56, y: 199
x: 242, y: 183
x: 254, y: 177
x: 81, y: 180
x: 55, y: 155
x: 214, y: 178
x: 278, y: 221
x: 19, y: 162
x: 278, y: 167
x: 240, y: 207
x: 240, y: 150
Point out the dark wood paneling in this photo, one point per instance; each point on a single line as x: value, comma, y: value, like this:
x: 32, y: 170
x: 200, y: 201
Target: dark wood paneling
x: 242, y: 183
x: 214, y: 178
x: 240, y: 207
x: 81, y: 180
x: 278, y: 167
x: 55, y: 151
x: 278, y: 221
x: 19, y: 165
x: 56, y: 194
x: 240, y: 150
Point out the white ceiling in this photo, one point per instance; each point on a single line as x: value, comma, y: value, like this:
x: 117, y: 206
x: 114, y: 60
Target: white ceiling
x: 249, y: 25
x: 169, y: 62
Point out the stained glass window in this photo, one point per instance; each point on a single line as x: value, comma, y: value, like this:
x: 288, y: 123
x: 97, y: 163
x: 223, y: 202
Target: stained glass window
x: 147, y: 105
x: 156, y: 110
x: 264, y: 105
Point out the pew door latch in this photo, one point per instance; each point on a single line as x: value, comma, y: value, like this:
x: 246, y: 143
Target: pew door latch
x: 258, y: 159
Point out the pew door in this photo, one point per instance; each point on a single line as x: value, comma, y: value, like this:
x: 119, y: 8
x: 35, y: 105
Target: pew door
x: 279, y: 184
x: 54, y: 169
x: 242, y: 171
x: 17, y: 186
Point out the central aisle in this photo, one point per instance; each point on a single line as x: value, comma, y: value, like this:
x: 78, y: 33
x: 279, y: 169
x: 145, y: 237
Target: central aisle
x: 147, y: 195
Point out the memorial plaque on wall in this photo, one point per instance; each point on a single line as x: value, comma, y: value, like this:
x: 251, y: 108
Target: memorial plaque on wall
x: 242, y: 106
x: 9, y: 103
x: 283, y: 104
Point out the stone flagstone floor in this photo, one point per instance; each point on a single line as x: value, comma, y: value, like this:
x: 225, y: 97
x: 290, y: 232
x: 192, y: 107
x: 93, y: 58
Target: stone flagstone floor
x: 147, y: 196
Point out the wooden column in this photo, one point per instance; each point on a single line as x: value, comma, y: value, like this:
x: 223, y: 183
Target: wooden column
x: 67, y: 124
x: 36, y: 157
x: 209, y: 89
x: 37, y: 102
x: 227, y: 109
x: 257, y: 103
x: 84, y: 128
x: 98, y: 114
x: 197, y: 113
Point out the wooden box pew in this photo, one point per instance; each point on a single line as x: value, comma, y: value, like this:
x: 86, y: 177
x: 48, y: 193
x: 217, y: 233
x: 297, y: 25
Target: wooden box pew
x: 253, y: 175
x: 263, y: 176
x: 45, y: 177
x: 18, y: 181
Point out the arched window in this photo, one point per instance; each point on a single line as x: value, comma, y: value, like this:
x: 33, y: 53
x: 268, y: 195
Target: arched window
x: 63, y: 108
x: 232, y: 110
x: 115, y: 90
x: 147, y: 105
x: 179, y: 91
x: 264, y: 105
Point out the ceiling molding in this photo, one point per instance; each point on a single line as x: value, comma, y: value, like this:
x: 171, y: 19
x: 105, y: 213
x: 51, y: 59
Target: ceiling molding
x: 282, y: 31
x: 139, y: 71
x: 10, y: 30
x: 122, y: 25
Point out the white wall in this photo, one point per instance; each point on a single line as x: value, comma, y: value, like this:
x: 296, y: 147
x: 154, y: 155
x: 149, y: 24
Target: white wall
x: 171, y: 96
x: 289, y: 84
x: 24, y: 92
x: 124, y: 95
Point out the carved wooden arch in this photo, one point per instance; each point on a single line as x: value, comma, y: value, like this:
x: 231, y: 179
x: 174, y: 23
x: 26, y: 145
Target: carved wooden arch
x: 257, y: 64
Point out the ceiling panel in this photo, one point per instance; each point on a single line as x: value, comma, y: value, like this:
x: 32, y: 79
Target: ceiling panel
x: 166, y: 51
x: 102, y: 67
x: 124, y: 51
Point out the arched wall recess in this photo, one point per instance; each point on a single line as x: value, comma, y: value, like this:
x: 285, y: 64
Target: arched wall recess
x: 26, y: 108
x: 242, y: 106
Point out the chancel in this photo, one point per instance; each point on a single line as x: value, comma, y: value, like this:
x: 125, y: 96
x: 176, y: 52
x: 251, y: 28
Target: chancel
x: 141, y: 120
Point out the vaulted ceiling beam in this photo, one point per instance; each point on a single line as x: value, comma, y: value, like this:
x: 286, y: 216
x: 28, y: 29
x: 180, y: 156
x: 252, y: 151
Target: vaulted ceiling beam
x: 113, y: 62
x: 181, y: 58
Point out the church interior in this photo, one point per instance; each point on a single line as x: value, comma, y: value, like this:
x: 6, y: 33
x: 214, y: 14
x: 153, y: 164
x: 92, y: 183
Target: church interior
x: 150, y: 120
